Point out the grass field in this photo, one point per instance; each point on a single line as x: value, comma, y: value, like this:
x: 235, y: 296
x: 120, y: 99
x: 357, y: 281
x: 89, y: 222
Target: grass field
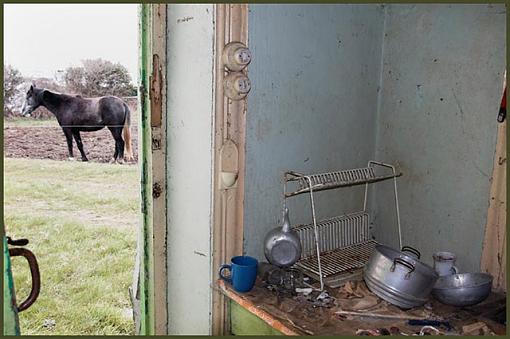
x: 28, y: 122
x: 81, y: 220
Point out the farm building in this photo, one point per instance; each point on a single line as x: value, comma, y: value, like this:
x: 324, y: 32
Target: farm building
x: 376, y: 126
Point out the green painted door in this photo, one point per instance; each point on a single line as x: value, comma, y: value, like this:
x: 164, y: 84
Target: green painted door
x: 11, y: 322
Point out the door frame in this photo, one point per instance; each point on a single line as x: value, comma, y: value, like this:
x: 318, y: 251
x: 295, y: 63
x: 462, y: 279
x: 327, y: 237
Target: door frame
x: 230, y: 129
x: 231, y: 24
x: 151, y: 266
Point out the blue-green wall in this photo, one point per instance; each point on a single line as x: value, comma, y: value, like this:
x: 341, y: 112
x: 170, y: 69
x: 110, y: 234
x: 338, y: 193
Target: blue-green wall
x: 441, y: 86
x: 315, y: 73
x: 315, y: 106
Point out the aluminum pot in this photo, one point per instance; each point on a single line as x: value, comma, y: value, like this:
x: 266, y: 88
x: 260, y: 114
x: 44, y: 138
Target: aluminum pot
x: 399, y: 278
x: 463, y: 289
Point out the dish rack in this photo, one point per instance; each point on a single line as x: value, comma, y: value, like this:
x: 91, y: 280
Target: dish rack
x: 336, y: 249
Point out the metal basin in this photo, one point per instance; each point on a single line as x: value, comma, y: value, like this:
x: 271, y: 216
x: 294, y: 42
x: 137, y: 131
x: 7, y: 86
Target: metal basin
x: 463, y: 289
x: 398, y: 278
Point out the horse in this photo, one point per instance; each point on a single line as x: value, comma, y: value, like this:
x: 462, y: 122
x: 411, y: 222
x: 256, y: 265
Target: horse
x: 77, y: 114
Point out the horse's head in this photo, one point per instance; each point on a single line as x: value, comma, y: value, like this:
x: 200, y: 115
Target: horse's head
x: 32, y: 100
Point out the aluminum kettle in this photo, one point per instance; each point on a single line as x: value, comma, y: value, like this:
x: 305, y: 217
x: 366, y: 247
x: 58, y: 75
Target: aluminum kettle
x: 281, y: 245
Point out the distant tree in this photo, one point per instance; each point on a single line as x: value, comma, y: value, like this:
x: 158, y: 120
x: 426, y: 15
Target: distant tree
x: 48, y: 83
x: 12, y: 83
x: 98, y: 77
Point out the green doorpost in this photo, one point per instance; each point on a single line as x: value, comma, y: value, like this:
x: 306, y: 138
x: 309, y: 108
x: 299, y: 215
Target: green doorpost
x: 143, y: 289
x: 11, y: 322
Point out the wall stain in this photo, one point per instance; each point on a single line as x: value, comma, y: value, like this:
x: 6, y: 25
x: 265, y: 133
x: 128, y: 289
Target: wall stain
x: 199, y: 253
x: 462, y: 118
x: 480, y: 170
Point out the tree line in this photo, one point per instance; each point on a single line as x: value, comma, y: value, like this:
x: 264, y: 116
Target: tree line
x: 95, y: 77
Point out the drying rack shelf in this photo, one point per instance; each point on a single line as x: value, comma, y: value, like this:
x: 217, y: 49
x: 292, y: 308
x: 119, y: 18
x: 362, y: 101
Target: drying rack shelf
x: 337, y: 248
x: 348, y: 260
x: 332, y: 180
x: 336, y: 232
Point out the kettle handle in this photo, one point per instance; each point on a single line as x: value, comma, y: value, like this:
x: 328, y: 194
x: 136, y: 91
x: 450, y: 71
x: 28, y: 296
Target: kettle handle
x: 286, y: 221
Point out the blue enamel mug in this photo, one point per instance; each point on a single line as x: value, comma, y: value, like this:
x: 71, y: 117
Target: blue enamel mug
x: 243, y: 272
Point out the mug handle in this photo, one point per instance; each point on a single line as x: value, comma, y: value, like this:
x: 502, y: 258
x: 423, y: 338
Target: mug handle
x: 225, y: 267
x: 454, y: 270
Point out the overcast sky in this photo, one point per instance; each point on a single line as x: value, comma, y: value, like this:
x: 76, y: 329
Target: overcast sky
x: 41, y: 39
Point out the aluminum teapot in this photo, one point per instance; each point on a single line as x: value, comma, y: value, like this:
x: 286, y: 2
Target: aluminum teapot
x: 281, y: 245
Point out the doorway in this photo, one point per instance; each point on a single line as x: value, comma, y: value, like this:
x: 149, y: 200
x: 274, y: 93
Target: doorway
x: 81, y: 218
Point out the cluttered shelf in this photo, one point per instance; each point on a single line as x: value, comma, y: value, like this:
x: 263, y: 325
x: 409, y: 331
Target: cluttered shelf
x: 331, y: 277
x: 353, y: 310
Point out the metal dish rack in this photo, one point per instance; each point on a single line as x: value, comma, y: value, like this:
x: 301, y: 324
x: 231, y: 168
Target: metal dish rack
x: 337, y: 248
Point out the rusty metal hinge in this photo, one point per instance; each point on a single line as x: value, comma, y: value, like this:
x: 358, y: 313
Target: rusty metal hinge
x: 155, y: 92
x: 157, y: 190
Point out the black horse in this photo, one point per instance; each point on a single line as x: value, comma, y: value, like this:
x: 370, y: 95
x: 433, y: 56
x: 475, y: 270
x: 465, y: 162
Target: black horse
x: 76, y: 114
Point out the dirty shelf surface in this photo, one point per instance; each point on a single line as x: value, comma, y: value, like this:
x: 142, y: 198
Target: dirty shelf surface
x: 293, y: 316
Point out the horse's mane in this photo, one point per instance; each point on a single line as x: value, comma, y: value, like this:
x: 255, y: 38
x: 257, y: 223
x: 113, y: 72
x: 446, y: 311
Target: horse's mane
x: 63, y: 96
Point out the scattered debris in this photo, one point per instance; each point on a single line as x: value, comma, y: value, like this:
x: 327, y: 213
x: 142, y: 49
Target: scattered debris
x: 394, y: 330
x: 381, y: 331
x: 288, y: 305
x: 384, y: 331
x: 428, y: 322
x: 377, y: 315
x: 478, y: 328
x: 323, y: 300
x: 354, y: 295
x: 49, y: 324
x: 282, y: 281
x: 323, y: 296
x: 429, y: 330
x: 367, y: 332
x: 351, y: 309
x: 305, y: 291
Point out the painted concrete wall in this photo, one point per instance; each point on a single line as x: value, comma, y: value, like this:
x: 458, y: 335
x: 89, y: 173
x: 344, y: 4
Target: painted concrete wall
x: 190, y: 80
x: 315, y: 106
x: 441, y: 87
x: 312, y: 107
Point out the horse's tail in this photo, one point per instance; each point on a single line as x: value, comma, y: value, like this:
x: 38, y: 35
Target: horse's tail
x: 127, y: 133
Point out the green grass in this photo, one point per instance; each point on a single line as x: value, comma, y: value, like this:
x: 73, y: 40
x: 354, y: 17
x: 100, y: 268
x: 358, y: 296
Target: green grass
x: 29, y: 122
x: 81, y: 221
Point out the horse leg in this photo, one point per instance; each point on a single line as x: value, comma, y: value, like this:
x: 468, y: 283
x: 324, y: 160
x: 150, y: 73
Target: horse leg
x: 69, y: 138
x: 119, y: 144
x: 77, y: 138
x: 121, y: 147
